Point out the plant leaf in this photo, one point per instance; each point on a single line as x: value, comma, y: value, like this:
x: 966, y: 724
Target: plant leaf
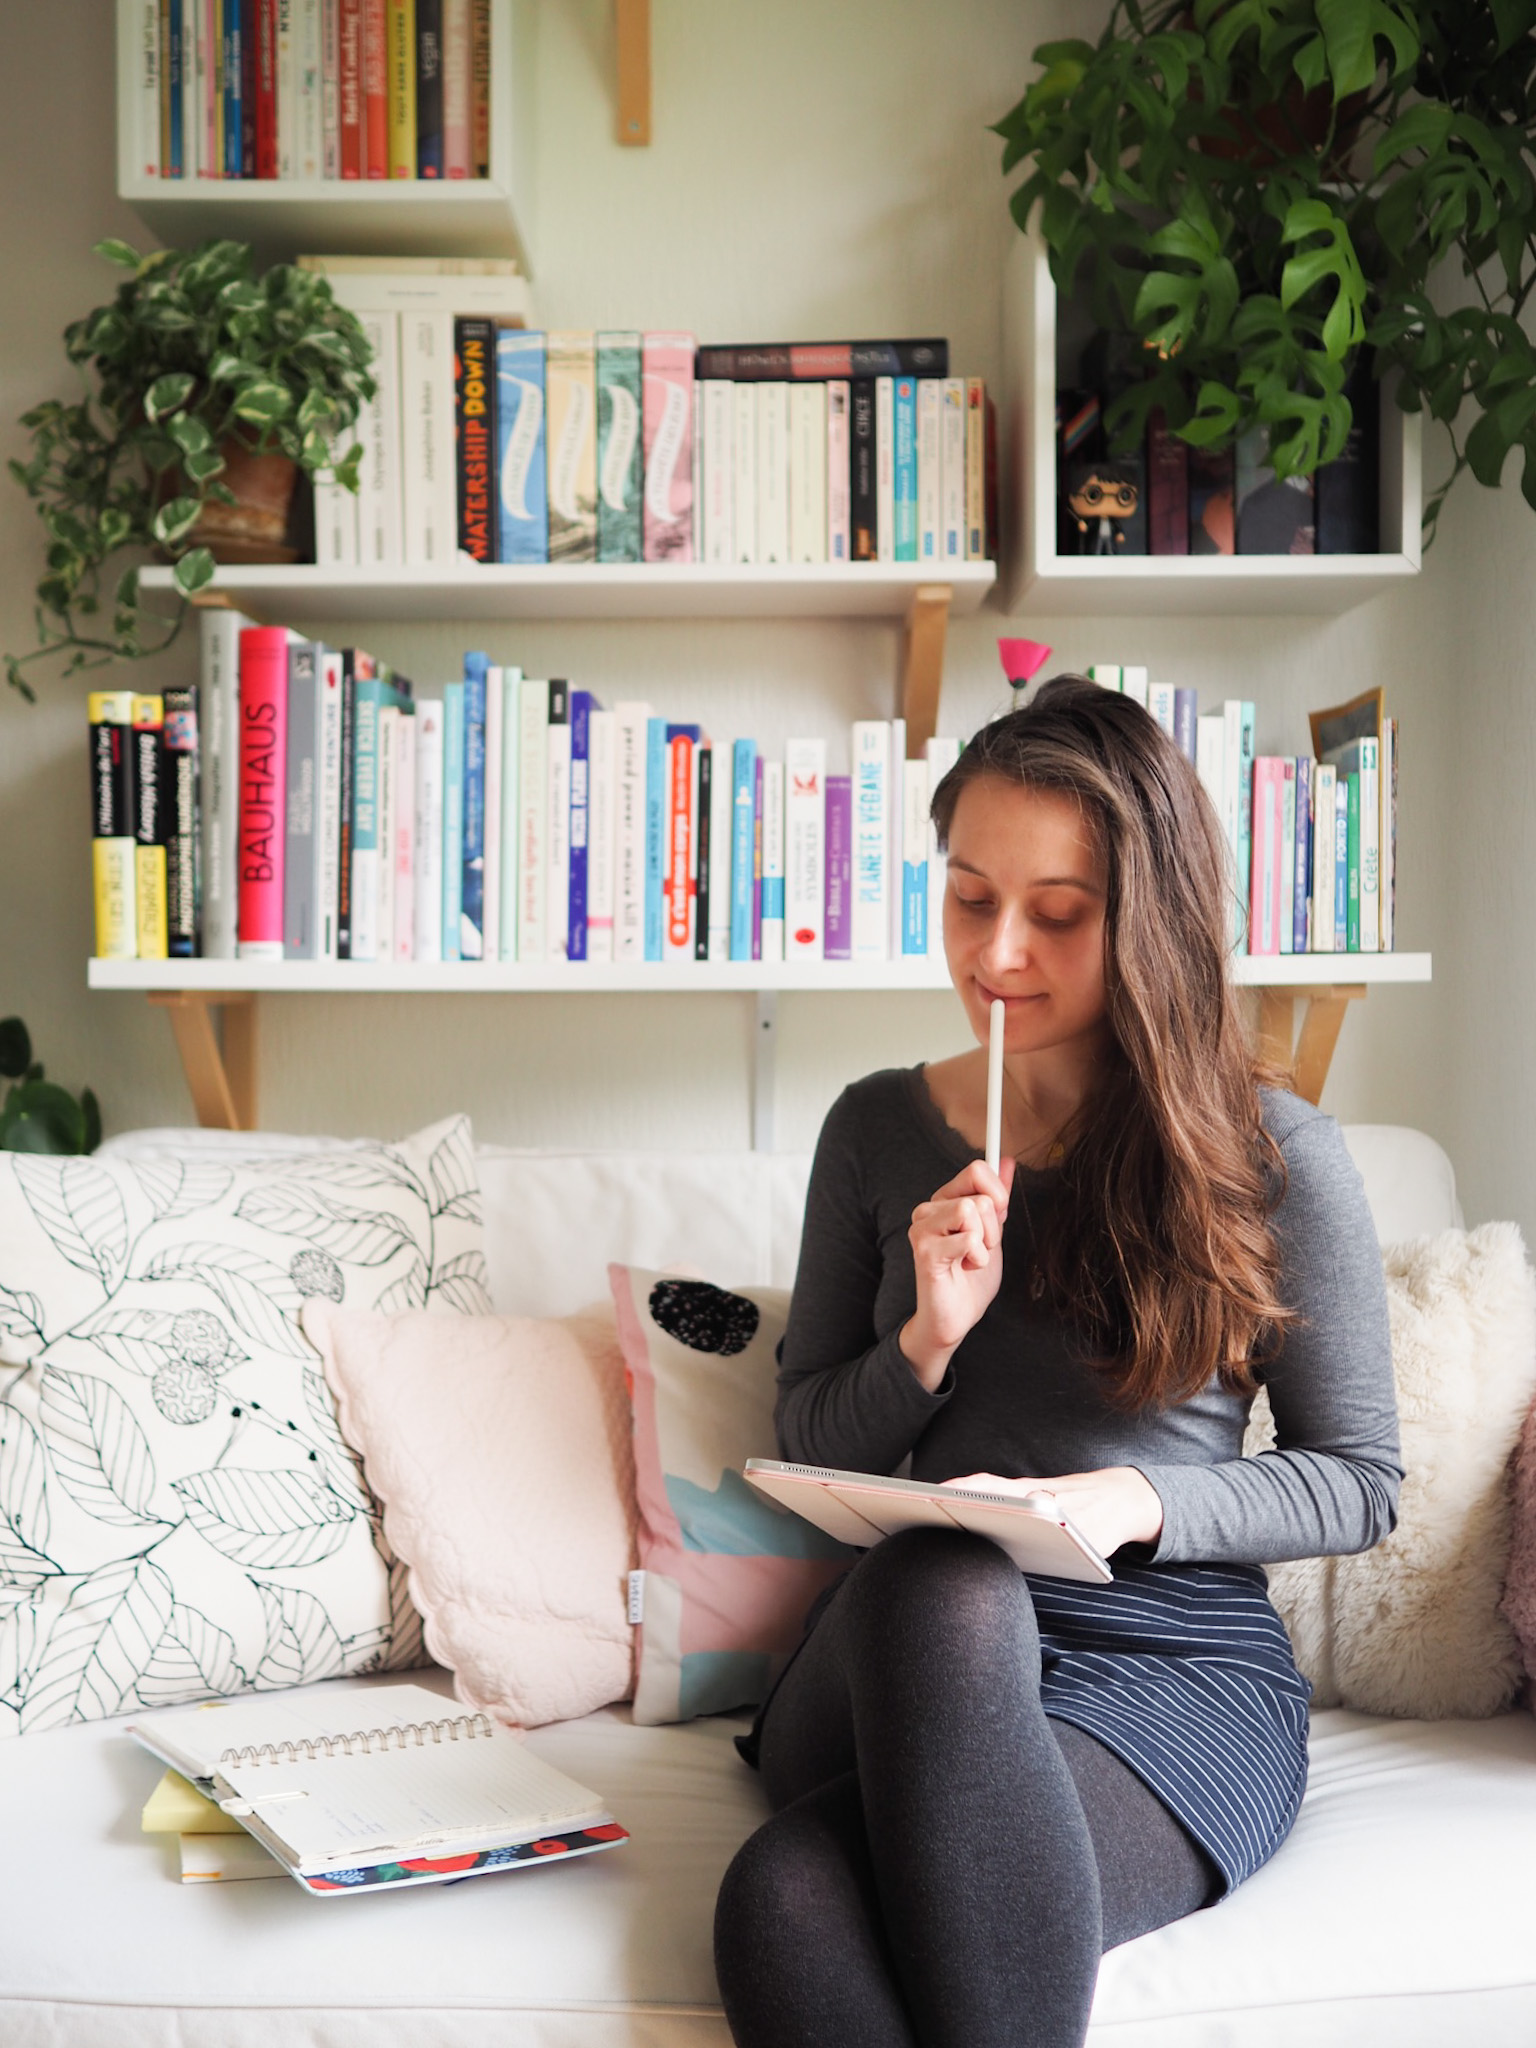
x: 23, y: 1484
x: 194, y: 571
x: 99, y: 1451
x: 193, y: 1658
x: 462, y: 1284
x: 271, y: 1520
x: 302, y: 1643
x: 79, y: 1205
x: 361, y: 1237
x: 100, y: 1642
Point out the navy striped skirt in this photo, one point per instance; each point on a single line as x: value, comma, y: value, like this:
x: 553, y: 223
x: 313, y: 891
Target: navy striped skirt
x: 1185, y: 1672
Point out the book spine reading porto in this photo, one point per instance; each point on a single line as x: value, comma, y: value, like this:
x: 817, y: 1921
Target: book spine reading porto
x: 655, y: 836
x: 533, y: 815
x: 572, y: 442
x: 721, y: 832
x: 818, y: 361
x: 495, y: 758
x: 400, y: 58
x: 633, y: 721
x: 474, y: 394
x: 838, y: 943
x: 941, y: 754
x: 263, y: 763
x: 602, y: 822
x: 619, y: 450
x: 678, y: 858
x: 457, y: 140
x: 871, y: 839
x: 511, y: 807
x: 904, y: 467
x: 350, y: 86
x: 427, y: 914
x: 772, y: 936
x: 520, y: 492
x: 667, y: 414
x: 975, y: 470
x: 914, y: 858
x: 181, y: 836
x: 404, y: 947
x: 744, y: 541
x: 453, y: 820
x: 472, y: 881
x: 839, y: 533
x: 582, y: 705
x: 861, y: 468
x: 367, y: 701
x: 429, y: 88
x: 885, y: 469
x: 743, y: 801
x: 805, y: 777
x: 719, y: 493
x: 1301, y: 872
x: 328, y: 792
x: 301, y: 864
x: 807, y: 472
x: 110, y: 713
x: 773, y: 472
x: 952, y: 469
x: 557, y: 913
x: 930, y: 396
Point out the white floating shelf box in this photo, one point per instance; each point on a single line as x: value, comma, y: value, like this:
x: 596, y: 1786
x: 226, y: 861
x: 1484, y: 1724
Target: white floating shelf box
x: 661, y: 977
x: 598, y: 590
x: 287, y: 217
x: 1035, y: 579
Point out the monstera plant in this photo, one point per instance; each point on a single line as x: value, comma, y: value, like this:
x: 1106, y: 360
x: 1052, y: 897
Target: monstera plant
x: 1256, y: 191
x: 206, y: 388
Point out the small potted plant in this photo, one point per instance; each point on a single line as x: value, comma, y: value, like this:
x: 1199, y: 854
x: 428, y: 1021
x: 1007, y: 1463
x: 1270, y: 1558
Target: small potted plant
x: 37, y: 1115
x: 1257, y: 192
x: 207, y: 389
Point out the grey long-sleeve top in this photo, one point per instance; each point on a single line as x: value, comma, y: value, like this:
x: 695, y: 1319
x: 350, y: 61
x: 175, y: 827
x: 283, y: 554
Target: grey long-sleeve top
x: 1017, y: 1398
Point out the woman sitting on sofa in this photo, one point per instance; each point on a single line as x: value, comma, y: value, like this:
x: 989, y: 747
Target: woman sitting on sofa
x: 981, y: 1778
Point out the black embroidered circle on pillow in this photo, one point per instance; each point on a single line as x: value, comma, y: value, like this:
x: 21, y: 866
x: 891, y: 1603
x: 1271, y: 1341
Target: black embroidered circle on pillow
x: 704, y: 1318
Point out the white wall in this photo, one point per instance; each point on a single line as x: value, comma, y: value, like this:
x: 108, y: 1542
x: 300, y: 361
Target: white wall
x: 817, y: 169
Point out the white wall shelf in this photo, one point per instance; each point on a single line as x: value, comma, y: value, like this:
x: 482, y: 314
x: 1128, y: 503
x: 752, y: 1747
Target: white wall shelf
x: 596, y: 590
x: 1036, y: 579
x: 365, y: 217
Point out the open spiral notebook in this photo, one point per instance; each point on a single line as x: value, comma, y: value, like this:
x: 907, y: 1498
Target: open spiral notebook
x: 380, y: 1788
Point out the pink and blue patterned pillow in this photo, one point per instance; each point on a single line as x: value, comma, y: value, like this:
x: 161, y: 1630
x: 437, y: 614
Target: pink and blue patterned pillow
x: 726, y: 1577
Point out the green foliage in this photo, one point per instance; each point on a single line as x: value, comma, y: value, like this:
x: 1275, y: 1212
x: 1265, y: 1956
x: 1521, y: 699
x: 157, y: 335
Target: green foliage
x: 1258, y: 189
x: 37, y: 1115
x: 193, y: 349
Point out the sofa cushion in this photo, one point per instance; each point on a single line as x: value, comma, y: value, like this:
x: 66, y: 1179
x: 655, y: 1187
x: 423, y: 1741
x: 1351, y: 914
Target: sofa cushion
x: 728, y: 1575
x: 179, y: 1515
x: 499, y: 1450
x: 1413, y: 1627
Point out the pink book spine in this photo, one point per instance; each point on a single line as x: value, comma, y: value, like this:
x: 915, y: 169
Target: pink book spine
x: 838, y: 480
x: 405, y: 838
x: 667, y: 379
x: 1264, y: 887
x: 263, y: 812
x: 457, y: 138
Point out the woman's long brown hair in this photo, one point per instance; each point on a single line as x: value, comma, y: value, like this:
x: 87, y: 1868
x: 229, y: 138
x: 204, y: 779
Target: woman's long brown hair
x: 1159, y: 1248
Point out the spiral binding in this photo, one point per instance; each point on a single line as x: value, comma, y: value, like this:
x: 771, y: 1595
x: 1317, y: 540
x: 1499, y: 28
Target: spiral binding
x: 363, y: 1741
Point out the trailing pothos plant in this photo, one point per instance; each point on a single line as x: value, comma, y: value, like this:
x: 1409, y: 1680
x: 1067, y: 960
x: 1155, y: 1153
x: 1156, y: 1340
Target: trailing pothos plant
x: 1258, y: 190
x: 195, y: 350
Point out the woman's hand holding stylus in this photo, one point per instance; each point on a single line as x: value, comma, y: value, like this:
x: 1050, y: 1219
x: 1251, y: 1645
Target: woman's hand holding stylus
x: 957, y: 1256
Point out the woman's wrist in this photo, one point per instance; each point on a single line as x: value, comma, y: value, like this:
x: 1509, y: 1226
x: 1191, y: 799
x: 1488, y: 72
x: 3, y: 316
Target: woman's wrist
x: 929, y: 1361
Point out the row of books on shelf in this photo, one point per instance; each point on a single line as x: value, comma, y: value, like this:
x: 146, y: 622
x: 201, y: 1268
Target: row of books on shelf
x: 313, y: 89
x: 306, y: 803
x: 490, y: 442
x: 1311, y: 839
x: 1168, y: 498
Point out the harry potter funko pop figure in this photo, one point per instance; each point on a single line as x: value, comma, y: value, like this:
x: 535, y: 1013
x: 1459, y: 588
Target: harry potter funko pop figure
x: 1103, y: 501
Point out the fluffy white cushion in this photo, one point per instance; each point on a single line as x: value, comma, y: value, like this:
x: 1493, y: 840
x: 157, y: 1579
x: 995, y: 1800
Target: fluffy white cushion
x: 179, y: 1515
x: 1413, y: 1627
x: 499, y: 1448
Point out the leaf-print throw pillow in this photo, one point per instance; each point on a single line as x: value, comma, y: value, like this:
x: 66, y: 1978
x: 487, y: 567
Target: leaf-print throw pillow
x: 727, y: 1576
x: 179, y: 1516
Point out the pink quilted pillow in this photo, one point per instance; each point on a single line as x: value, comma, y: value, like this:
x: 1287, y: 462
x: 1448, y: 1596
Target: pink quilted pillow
x: 727, y: 1576
x: 1519, y: 1601
x: 499, y: 1449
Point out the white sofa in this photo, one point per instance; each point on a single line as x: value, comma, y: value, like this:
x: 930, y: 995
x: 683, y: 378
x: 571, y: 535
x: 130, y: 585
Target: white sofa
x: 1402, y: 1911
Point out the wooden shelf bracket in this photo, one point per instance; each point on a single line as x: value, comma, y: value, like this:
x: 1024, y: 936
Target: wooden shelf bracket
x: 632, y: 36
x: 1307, y: 1053
x: 922, y: 664
x: 221, y: 1077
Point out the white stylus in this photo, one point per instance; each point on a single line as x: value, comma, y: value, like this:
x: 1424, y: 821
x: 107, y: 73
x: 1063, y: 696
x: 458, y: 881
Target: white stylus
x: 995, y: 1084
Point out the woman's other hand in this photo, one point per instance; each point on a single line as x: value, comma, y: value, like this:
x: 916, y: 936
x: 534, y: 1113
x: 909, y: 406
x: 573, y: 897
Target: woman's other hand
x: 957, y: 1255
x: 1115, y: 1506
